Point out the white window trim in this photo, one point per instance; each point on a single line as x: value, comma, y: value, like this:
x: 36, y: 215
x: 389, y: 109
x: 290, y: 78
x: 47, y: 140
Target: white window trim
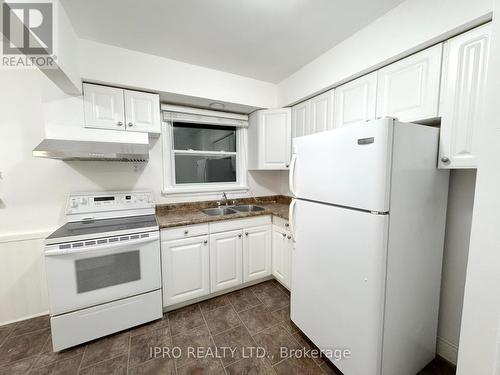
x: 169, y: 186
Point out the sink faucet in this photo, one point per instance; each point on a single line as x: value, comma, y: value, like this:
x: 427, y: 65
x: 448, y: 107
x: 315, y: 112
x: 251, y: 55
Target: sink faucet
x: 224, y: 198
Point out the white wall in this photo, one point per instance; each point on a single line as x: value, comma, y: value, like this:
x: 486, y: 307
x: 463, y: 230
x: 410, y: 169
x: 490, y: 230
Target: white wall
x: 409, y: 27
x: 108, y: 64
x: 479, y: 351
x: 33, y: 190
x: 456, y: 250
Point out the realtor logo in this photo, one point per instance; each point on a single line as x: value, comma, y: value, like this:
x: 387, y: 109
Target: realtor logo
x: 28, y: 34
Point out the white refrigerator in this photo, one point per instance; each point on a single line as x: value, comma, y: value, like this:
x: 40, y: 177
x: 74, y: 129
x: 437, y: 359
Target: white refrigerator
x: 368, y: 221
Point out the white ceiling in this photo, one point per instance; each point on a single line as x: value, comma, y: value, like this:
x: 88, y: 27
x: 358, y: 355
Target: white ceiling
x: 262, y: 39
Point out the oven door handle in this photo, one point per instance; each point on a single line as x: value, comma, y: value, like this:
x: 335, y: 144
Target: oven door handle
x: 108, y: 246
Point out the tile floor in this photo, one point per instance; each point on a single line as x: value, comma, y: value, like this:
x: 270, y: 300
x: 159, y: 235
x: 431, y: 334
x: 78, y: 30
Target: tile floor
x: 257, y: 316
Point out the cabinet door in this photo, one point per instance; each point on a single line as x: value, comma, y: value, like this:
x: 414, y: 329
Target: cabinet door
x: 279, y: 255
x: 409, y: 88
x: 355, y: 101
x: 275, y: 138
x: 322, y: 112
x: 103, y: 107
x: 462, y: 94
x: 142, y: 112
x: 185, y: 269
x: 257, y: 253
x: 226, y: 267
x: 300, y: 121
x: 282, y: 256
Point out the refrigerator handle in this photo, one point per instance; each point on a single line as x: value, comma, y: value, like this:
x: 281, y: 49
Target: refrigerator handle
x: 291, y: 220
x: 291, y: 174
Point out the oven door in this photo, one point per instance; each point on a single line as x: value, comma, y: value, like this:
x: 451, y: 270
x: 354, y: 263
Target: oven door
x: 82, y: 277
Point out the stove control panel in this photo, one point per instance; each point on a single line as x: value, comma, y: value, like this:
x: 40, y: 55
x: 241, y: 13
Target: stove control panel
x: 81, y: 203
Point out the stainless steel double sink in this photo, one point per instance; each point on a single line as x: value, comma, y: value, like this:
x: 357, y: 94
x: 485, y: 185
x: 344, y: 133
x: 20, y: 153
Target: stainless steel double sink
x: 231, y: 210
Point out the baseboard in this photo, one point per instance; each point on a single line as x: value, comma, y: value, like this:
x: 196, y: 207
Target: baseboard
x: 24, y: 236
x: 24, y: 318
x: 447, y: 350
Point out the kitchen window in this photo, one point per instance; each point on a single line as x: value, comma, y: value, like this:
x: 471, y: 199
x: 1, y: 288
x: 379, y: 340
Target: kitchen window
x: 203, y: 156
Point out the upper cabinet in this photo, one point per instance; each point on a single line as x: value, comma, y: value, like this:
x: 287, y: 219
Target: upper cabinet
x: 314, y: 115
x: 321, y: 112
x: 409, y: 88
x: 269, y: 139
x: 444, y: 81
x: 104, y: 107
x: 118, y: 109
x: 300, y: 119
x: 355, y: 101
x: 142, y: 111
x: 465, y: 62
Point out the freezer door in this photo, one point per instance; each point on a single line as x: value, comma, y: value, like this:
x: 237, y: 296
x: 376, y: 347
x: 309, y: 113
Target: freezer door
x: 338, y: 282
x: 348, y: 166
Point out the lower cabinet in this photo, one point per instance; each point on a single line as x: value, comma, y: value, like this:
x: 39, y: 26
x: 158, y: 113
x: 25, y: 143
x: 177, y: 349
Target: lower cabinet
x: 185, y: 269
x: 257, y: 253
x: 282, y: 256
x: 224, y: 256
x: 226, y: 260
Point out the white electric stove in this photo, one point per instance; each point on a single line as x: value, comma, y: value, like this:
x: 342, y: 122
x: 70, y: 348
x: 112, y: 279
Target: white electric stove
x: 103, y: 266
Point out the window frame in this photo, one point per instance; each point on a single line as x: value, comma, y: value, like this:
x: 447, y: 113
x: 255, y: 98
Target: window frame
x: 168, y: 158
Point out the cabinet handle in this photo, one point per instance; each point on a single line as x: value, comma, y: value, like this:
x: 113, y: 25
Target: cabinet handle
x: 205, y: 242
x: 119, y: 123
x: 445, y: 159
x: 186, y: 232
x: 130, y: 124
x: 239, y: 235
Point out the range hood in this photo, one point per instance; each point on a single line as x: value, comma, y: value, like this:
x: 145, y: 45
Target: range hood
x: 63, y: 149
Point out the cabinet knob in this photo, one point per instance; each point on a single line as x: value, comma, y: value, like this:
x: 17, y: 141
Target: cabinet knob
x: 289, y: 237
x: 239, y: 235
x: 186, y: 232
x: 246, y: 234
x: 119, y: 123
x: 287, y: 225
x: 445, y: 159
x: 130, y: 124
x: 284, y: 235
x: 205, y: 242
x: 287, y: 165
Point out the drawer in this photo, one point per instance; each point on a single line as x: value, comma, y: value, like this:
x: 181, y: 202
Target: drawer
x: 282, y: 223
x: 227, y: 225
x: 184, y: 232
x: 88, y: 324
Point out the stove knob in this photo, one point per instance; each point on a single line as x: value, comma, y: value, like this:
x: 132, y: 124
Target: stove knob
x: 74, y: 203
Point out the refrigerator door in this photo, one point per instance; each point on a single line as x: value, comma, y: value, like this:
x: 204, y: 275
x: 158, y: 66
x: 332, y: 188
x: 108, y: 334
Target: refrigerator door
x: 348, y: 166
x: 338, y: 282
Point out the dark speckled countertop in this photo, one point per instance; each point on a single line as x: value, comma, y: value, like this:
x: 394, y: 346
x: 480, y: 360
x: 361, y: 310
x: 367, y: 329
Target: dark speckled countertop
x: 175, y: 215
